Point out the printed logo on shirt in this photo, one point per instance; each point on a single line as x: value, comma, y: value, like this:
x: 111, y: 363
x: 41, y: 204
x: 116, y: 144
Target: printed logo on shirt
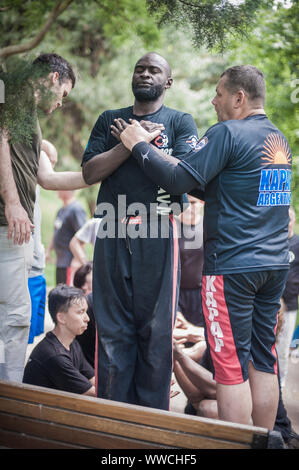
x: 161, y: 141
x: 195, y: 143
x: 275, y: 183
x: 291, y: 256
x: 57, y: 223
x: 276, y: 150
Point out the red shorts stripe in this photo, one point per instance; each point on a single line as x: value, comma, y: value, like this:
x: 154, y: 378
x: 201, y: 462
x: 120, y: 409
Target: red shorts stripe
x: 226, y: 363
x: 68, y: 276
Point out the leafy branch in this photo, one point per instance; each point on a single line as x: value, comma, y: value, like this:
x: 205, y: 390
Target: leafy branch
x: 7, y: 51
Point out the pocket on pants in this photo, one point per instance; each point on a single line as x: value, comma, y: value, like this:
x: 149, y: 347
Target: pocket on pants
x: 15, y: 306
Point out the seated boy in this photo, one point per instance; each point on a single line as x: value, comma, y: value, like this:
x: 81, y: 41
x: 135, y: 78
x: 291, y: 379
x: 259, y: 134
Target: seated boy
x: 58, y: 361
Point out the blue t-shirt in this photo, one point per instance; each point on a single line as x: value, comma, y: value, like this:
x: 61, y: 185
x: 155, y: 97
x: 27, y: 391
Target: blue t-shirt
x: 178, y: 138
x: 245, y: 168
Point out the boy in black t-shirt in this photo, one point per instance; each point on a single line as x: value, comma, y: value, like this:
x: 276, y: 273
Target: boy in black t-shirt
x: 58, y: 361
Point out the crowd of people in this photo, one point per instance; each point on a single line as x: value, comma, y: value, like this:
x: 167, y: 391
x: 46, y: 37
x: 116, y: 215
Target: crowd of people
x: 199, y: 280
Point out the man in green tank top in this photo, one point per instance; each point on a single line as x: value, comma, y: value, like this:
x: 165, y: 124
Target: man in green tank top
x: 22, y: 166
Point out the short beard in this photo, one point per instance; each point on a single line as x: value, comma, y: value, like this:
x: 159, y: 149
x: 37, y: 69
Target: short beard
x: 144, y: 95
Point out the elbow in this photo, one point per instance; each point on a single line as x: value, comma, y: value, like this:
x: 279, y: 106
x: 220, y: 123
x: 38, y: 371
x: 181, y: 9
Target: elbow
x: 88, y: 176
x: 45, y: 184
x: 174, y: 189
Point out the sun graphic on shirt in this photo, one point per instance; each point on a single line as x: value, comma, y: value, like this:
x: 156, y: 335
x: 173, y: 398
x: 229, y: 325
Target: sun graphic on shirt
x: 276, y: 150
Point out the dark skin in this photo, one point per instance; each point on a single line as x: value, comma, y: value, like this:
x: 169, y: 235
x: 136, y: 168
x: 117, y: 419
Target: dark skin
x: 151, y: 69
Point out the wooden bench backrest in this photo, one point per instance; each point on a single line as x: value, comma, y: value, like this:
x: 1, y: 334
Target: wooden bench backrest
x: 36, y: 417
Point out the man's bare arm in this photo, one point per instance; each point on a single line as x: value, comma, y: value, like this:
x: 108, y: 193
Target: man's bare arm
x: 19, y: 223
x: 197, y: 374
x: 77, y: 248
x: 104, y: 164
x: 58, y: 180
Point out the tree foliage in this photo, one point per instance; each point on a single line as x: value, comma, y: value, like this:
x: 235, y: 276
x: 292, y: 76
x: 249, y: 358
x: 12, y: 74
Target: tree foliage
x: 24, y: 25
x: 103, y: 39
x: 86, y: 33
x: 211, y: 23
x: 274, y: 48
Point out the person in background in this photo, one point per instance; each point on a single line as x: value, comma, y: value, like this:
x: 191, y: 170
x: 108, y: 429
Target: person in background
x: 36, y: 277
x: 191, y: 255
x: 290, y: 302
x: 87, y: 234
x: 68, y: 220
x: 83, y: 280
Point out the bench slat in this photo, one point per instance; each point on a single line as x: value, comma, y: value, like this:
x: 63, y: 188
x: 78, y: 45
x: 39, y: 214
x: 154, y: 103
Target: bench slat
x: 114, y: 427
x: 72, y: 435
x: 133, y: 414
x: 15, y: 440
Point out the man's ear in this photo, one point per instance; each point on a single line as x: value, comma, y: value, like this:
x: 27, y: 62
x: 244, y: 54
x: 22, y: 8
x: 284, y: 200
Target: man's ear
x: 239, y: 99
x: 60, y: 317
x: 54, y: 77
x: 169, y: 83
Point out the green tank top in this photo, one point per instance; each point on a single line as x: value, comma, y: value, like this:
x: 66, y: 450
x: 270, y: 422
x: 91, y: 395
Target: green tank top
x: 25, y: 161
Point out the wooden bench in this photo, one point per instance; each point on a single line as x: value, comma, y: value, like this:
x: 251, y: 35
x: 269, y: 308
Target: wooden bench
x: 40, y: 418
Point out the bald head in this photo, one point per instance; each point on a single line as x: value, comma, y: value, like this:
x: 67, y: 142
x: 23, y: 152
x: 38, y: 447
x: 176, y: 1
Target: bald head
x: 151, y: 79
x: 50, y: 150
x: 157, y: 59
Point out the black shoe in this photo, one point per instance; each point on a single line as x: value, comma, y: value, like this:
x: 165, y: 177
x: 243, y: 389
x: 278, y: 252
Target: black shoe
x: 293, y: 440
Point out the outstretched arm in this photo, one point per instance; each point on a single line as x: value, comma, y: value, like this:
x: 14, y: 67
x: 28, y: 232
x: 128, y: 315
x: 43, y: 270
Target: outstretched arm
x: 163, y: 169
x: 58, y: 180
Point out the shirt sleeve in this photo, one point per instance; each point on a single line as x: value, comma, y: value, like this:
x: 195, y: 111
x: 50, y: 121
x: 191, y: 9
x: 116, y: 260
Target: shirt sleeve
x: 97, y: 140
x: 65, y: 376
x: 186, y: 136
x: 196, y: 170
x: 211, y: 154
x: 84, y: 234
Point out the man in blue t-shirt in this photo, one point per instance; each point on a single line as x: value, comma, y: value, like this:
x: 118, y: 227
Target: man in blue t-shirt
x: 243, y: 165
x: 135, y: 273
